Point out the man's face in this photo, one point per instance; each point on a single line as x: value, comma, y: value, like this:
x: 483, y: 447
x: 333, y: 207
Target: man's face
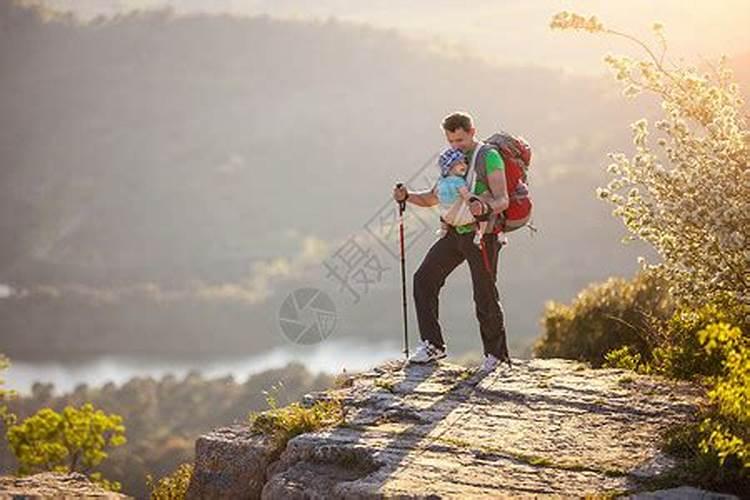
x: 461, y: 139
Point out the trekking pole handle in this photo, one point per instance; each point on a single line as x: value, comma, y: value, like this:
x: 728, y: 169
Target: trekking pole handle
x: 402, y: 203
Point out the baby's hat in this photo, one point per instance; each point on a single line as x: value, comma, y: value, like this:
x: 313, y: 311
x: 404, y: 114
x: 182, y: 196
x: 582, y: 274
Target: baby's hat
x: 448, y: 158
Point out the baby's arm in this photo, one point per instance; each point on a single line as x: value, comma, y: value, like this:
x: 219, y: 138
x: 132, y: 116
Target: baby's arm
x: 464, y: 192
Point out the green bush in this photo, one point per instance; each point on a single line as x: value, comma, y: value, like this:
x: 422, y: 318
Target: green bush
x: 717, y: 443
x: 74, y: 440
x: 171, y: 487
x: 678, y: 352
x: 727, y: 431
x: 623, y: 358
x: 283, y: 423
x: 603, y: 317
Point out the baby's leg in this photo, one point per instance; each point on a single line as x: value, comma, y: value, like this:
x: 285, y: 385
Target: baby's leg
x: 443, y: 229
x: 480, y: 232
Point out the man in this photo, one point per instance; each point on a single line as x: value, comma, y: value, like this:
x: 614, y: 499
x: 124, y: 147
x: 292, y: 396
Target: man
x: 457, y: 245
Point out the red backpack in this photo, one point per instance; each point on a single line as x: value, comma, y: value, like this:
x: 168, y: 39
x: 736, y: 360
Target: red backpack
x: 516, y: 154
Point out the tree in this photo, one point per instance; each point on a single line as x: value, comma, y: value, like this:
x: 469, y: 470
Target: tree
x: 691, y: 199
x: 74, y: 440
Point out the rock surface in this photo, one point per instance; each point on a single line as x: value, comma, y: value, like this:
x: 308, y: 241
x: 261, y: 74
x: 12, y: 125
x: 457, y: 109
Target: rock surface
x: 230, y: 462
x: 53, y: 485
x: 682, y: 493
x: 546, y: 427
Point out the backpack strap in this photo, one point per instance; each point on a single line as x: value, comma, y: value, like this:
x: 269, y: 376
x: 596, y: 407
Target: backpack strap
x: 492, y: 220
x: 472, y: 167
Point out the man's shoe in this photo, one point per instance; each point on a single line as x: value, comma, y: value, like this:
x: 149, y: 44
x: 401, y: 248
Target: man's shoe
x: 491, y: 362
x: 427, y: 352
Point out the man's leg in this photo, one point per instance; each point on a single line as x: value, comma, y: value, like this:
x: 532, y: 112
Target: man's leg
x: 442, y: 258
x: 489, y: 310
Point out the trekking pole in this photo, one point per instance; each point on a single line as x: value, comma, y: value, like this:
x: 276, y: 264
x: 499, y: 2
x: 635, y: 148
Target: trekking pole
x: 485, y: 258
x: 401, y: 209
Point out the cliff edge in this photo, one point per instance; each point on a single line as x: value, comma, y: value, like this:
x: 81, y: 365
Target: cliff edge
x: 54, y: 485
x: 546, y: 427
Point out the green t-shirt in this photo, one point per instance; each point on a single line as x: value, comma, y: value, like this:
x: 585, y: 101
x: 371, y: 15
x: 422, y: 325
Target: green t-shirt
x: 494, y: 162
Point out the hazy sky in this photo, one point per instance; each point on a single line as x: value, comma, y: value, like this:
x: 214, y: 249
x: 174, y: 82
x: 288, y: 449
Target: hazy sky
x: 510, y: 31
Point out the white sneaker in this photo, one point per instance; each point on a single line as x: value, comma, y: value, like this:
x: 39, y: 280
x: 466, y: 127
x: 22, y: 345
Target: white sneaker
x: 489, y: 364
x: 427, y: 352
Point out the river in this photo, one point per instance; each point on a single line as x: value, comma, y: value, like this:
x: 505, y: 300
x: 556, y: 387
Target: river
x: 330, y: 356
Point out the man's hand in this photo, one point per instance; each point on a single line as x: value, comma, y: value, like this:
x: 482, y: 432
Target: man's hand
x: 426, y: 198
x: 400, y: 193
x: 478, y: 207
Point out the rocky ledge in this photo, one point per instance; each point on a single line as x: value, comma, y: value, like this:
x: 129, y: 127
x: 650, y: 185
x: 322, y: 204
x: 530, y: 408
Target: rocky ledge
x: 49, y: 485
x: 543, y: 427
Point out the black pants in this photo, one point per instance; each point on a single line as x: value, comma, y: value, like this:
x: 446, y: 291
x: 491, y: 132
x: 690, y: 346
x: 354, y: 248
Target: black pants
x: 441, y: 259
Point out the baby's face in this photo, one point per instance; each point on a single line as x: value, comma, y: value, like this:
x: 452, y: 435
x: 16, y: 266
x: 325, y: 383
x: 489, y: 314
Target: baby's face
x: 458, y: 168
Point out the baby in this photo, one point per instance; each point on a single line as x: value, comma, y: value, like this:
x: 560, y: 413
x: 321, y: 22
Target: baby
x: 453, y: 193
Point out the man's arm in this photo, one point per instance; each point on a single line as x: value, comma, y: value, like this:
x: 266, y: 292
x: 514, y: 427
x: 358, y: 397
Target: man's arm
x: 497, y: 194
x: 497, y: 184
x: 426, y: 198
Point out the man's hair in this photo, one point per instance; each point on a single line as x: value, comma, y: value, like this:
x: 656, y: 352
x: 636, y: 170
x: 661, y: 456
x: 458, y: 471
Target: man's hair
x: 457, y: 120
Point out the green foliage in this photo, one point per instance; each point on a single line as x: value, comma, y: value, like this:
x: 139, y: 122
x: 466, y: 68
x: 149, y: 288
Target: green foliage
x: 6, y: 417
x: 74, y: 440
x: 678, y: 352
x: 727, y: 432
x: 171, y: 487
x: 99, y: 479
x: 283, y: 423
x: 623, y: 358
x: 698, y: 468
x: 165, y: 416
x: 603, y: 317
x: 716, y: 444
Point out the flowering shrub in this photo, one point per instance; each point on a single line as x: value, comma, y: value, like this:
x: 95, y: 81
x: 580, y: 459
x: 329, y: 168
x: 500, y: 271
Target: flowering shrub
x: 691, y: 199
